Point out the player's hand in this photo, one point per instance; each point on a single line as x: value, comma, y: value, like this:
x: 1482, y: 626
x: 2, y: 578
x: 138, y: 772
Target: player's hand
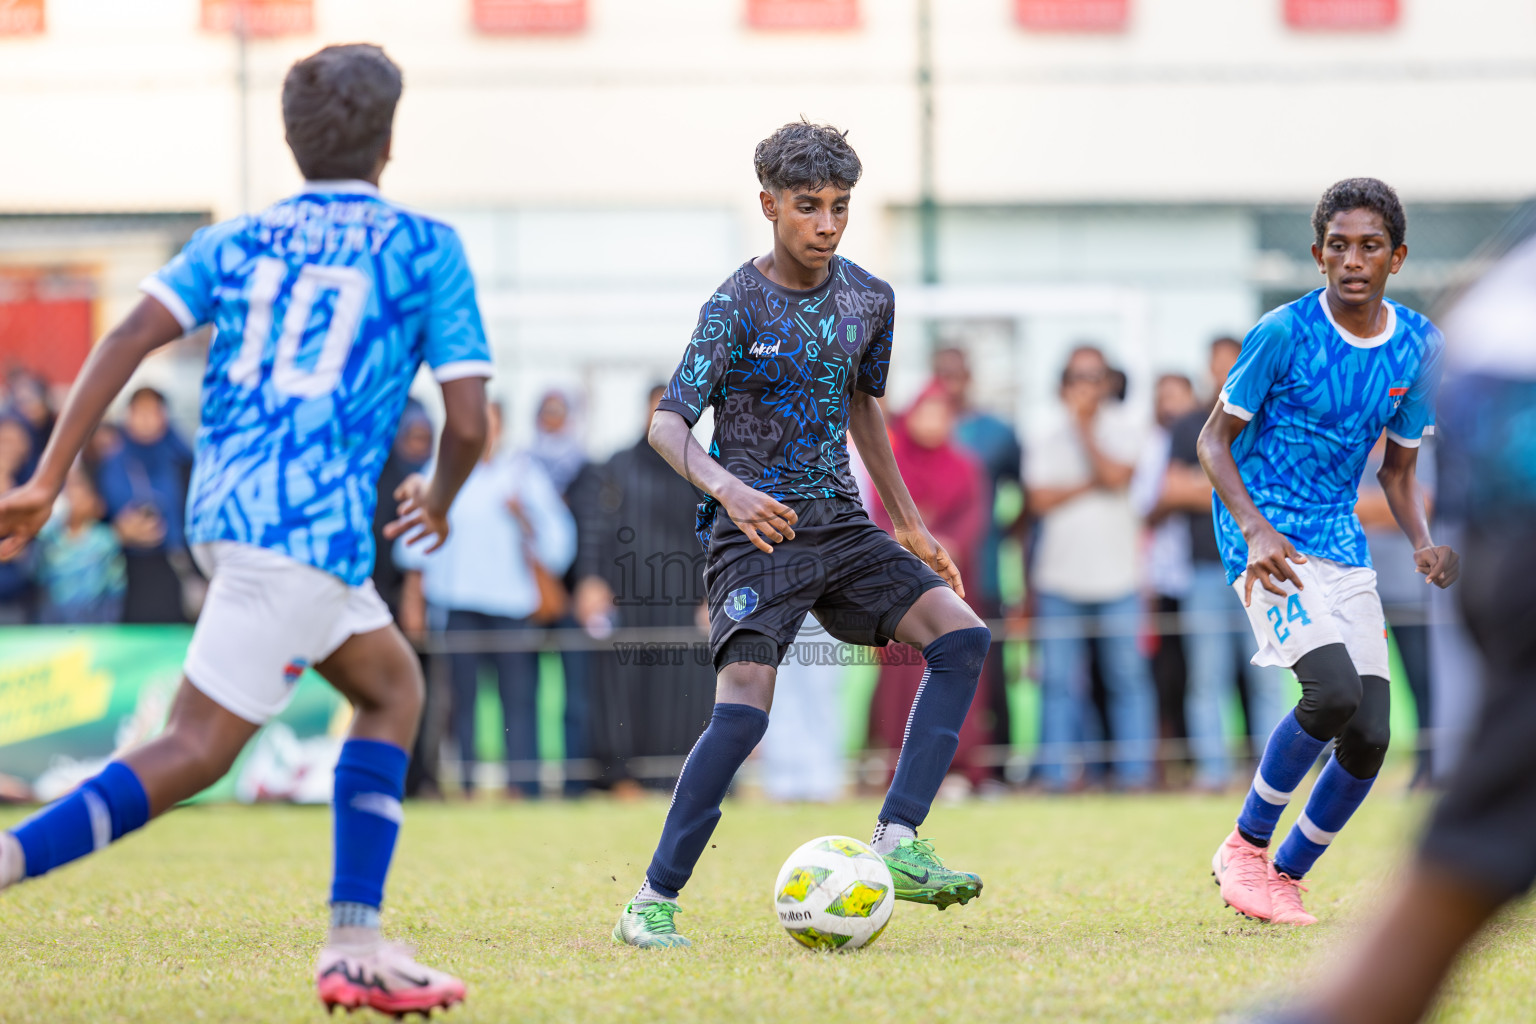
x: 1270, y: 555
x: 1439, y: 564
x: 415, y: 519
x: 766, y: 521
x: 23, y: 512
x: 922, y: 544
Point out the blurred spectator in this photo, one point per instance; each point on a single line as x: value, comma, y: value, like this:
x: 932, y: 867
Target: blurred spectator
x: 29, y: 402
x: 16, y: 576
x: 80, y: 563
x: 1404, y: 597
x: 802, y: 751
x: 1078, y: 477
x: 410, y: 452
x: 641, y: 567
x: 946, y: 484
x: 558, y: 449
x: 106, y: 442
x: 1168, y: 557
x: 995, y: 445
x: 557, y: 445
x: 144, y: 485
x: 506, y: 515
x: 1216, y: 632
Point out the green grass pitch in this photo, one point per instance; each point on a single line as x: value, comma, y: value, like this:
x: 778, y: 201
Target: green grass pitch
x: 1095, y: 909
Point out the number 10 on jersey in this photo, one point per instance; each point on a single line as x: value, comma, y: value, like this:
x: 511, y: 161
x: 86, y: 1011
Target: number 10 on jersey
x: 288, y: 377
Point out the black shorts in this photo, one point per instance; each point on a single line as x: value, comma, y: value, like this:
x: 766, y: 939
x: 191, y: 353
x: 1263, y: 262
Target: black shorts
x: 841, y: 567
x: 1484, y: 827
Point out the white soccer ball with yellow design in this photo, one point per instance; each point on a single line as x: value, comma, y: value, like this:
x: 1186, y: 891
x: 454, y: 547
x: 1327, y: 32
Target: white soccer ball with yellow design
x: 834, y: 893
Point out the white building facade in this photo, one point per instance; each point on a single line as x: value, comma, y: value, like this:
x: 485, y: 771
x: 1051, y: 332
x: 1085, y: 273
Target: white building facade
x: 1146, y: 188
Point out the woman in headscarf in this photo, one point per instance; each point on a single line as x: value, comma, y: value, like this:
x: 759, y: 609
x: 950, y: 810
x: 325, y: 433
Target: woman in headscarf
x: 557, y: 445
x: 946, y: 484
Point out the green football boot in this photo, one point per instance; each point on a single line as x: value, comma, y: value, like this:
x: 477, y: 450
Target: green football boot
x: 649, y: 926
x: 921, y: 877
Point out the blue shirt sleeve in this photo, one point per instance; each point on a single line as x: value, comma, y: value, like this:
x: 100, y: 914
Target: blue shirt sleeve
x: 1417, y: 413
x: 876, y: 360
x: 455, y: 346
x: 705, y: 361
x: 185, y: 286
x: 1265, y: 356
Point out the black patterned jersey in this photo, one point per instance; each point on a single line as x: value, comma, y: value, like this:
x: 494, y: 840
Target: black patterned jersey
x: 778, y: 367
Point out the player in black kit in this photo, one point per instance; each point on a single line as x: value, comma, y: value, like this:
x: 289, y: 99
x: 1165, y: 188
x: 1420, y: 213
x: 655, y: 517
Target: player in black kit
x: 791, y: 353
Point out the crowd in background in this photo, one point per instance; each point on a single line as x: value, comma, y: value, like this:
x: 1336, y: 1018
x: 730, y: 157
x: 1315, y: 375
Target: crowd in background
x: 1096, y: 520
x: 114, y: 550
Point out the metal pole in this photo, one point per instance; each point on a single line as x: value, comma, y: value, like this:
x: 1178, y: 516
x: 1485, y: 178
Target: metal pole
x: 927, y: 209
x: 243, y: 86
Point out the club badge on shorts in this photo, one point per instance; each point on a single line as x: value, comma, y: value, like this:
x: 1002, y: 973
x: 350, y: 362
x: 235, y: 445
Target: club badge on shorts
x: 740, y: 603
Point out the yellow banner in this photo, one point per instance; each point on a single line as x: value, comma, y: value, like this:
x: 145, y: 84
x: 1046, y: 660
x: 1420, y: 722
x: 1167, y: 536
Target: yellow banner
x: 51, y: 695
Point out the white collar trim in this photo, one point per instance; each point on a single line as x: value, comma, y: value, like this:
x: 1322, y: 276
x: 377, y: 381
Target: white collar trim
x: 1355, y: 339
x: 349, y: 186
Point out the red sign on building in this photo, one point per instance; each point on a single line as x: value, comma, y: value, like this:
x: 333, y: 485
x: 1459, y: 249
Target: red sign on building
x: 803, y: 14
x: 1341, y: 14
x: 263, y: 18
x: 21, y: 17
x: 516, y: 17
x: 1072, y: 15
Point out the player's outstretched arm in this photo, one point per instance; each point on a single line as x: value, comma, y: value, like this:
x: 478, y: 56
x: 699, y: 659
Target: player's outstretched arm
x: 1269, y: 553
x: 765, y: 520
x: 24, y: 510
x: 1399, y: 481
x: 423, y: 506
x: 867, y: 425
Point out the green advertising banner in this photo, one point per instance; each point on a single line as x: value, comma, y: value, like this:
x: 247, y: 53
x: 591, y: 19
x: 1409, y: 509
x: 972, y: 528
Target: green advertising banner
x: 72, y: 696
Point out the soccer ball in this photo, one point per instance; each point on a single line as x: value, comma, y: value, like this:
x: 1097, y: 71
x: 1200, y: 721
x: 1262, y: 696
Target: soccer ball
x: 834, y: 893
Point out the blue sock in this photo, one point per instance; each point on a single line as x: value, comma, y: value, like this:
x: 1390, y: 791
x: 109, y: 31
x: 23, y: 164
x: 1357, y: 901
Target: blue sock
x: 933, y: 726
x: 101, y: 811
x: 370, y: 780
x: 1334, y: 798
x: 1288, y: 756
x: 734, y: 731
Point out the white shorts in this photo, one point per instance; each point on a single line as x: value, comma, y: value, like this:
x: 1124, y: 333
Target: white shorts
x: 266, y: 619
x: 1337, y: 604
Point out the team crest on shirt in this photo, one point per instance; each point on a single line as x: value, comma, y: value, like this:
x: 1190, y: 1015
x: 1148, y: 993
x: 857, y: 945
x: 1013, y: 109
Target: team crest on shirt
x: 850, y: 333
x: 740, y: 603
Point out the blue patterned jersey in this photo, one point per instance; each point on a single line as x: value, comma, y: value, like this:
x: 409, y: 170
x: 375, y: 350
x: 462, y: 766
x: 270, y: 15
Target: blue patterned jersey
x: 324, y: 306
x: 778, y: 365
x: 1316, y: 399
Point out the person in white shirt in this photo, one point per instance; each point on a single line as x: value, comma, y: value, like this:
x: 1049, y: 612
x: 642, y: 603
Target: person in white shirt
x: 481, y: 580
x: 1078, y: 478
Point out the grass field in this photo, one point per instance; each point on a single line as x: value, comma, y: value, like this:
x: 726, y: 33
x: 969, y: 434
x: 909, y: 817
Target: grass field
x: 1096, y: 909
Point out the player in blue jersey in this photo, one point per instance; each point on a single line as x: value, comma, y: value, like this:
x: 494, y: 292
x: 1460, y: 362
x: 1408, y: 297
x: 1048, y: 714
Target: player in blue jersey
x: 1479, y: 850
x: 324, y: 306
x: 791, y: 353
x: 1315, y: 385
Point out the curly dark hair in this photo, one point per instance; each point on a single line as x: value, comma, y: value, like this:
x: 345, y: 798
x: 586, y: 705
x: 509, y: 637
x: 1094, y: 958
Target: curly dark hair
x: 806, y: 156
x: 338, y: 109
x: 1361, y: 194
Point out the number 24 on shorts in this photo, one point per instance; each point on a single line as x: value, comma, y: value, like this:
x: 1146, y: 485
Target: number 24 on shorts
x: 1293, y: 612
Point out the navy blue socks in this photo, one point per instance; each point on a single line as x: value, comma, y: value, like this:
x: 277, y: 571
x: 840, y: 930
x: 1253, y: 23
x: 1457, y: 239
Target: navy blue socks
x: 933, y: 726
x: 370, y: 780
x: 1334, y: 799
x: 733, y: 733
x: 1288, y: 756
x: 101, y: 811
